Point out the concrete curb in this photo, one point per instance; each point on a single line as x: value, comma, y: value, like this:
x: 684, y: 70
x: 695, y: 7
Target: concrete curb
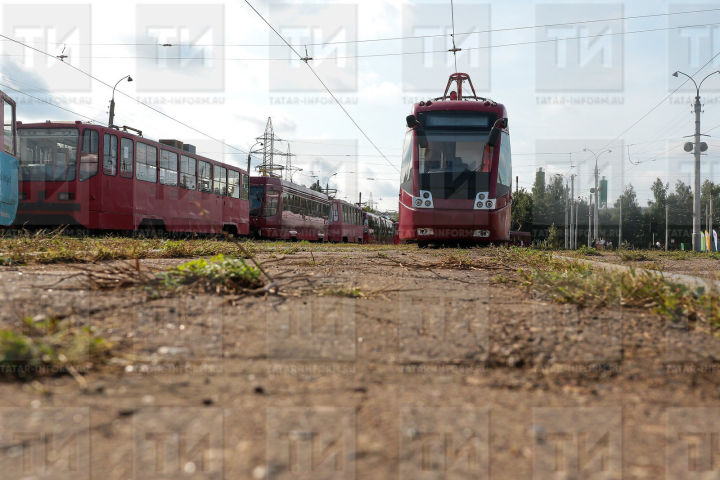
x: 687, y: 280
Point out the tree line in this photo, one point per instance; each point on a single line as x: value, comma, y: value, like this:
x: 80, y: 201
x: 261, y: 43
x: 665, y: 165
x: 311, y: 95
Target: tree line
x: 537, y: 210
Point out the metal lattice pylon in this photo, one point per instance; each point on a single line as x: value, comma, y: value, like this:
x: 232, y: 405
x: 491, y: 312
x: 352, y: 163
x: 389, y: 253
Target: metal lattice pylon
x: 268, y: 167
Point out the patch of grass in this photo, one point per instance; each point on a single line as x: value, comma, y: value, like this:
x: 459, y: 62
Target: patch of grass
x: 458, y: 259
x: 584, y: 250
x: 344, y: 291
x: 49, y: 347
x: 219, y: 274
x: 289, y: 249
x: 633, y: 256
x: 579, y: 284
x: 45, y: 248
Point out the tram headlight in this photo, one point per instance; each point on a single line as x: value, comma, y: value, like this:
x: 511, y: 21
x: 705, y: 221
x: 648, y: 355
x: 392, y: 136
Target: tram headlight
x: 427, y: 203
x: 479, y: 204
x: 418, y: 202
x: 481, y: 196
x: 488, y: 204
x: 426, y: 195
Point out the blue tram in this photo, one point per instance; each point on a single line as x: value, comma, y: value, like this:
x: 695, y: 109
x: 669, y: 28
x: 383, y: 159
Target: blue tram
x: 8, y: 161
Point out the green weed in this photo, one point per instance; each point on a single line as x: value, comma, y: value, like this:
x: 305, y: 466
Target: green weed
x: 215, y: 274
x: 49, y: 347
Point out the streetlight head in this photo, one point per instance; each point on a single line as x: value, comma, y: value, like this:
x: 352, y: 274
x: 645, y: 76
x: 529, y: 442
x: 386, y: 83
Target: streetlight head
x: 130, y: 78
x: 675, y: 74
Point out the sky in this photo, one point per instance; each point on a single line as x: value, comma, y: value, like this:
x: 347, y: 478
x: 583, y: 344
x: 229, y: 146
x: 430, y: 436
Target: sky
x: 573, y: 76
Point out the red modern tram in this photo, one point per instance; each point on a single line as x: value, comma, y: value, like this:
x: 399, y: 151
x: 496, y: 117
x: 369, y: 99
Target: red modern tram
x: 282, y: 210
x: 456, y: 175
x: 105, y: 179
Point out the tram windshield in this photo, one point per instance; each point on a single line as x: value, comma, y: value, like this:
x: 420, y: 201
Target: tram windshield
x: 256, y: 197
x: 48, y: 154
x: 455, y: 164
x: 454, y: 151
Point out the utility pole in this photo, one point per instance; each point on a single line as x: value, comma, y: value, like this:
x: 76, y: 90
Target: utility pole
x: 577, y: 214
x: 667, y: 237
x: 567, y: 227
x: 620, y: 225
x: 697, y: 147
x: 710, y: 225
x: 597, y: 198
x: 590, y: 209
x: 573, y: 220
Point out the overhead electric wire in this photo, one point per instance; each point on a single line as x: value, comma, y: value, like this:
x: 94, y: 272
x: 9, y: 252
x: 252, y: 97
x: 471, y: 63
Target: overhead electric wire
x: 325, y: 86
x: 122, y: 93
x: 657, y: 105
x: 409, y: 37
x: 8, y: 87
x: 396, y: 54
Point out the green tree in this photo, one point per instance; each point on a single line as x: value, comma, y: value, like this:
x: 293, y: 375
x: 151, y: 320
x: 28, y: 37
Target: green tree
x: 655, y: 217
x: 317, y: 187
x: 633, y: 219
x: 522, y: 211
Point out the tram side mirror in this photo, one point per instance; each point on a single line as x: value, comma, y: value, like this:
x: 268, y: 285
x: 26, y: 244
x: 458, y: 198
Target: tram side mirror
x: 498, y: 127
x: 411, y: 121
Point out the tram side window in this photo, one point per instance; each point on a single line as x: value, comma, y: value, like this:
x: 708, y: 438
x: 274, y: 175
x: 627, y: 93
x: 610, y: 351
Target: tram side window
x: 168, y: 168
x: 286, y: 202
x: 245, y: 193
x: 110, y: 154
x: 504, y: 166
x: 89, y: 154
x: 270, y: 207
x: 204, y: 177
x: 8, y: 128
x: 146, y: 163
x: 126, y: 157
x: 233, y: 185
x: 220, y: 178
x: 406, y: 167
x: 334, y: 217
x: 187, y: 172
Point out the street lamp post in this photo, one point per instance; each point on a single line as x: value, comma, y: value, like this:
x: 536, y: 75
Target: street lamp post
x: 696, y: 152
x: 111, y: 117
x: 597, y: 213
x: 327, y: 184
x: 250, y: 152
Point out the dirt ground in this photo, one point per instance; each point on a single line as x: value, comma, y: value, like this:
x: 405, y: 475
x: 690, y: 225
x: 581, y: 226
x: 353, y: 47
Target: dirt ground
x: 371, y: 364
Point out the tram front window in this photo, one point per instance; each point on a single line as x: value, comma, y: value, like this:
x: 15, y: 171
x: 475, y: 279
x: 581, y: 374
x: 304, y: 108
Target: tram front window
x: 48, y: 154
x: 455, y: 152
x: 256, y: 197
x: 455, y: 164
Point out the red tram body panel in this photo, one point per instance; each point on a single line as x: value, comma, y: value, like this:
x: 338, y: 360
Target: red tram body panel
x: 282, y: 210
x: 105, y: 179
x: 346, y: 222
x: 456, y: 174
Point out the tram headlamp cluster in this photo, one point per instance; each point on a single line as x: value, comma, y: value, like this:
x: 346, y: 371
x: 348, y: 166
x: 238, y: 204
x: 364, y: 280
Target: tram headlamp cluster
x: 484, y: 202
x: 425, y: 231
x: 424, y: 200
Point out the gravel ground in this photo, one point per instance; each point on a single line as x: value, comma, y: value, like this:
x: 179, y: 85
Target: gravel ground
x: 422, y: 373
